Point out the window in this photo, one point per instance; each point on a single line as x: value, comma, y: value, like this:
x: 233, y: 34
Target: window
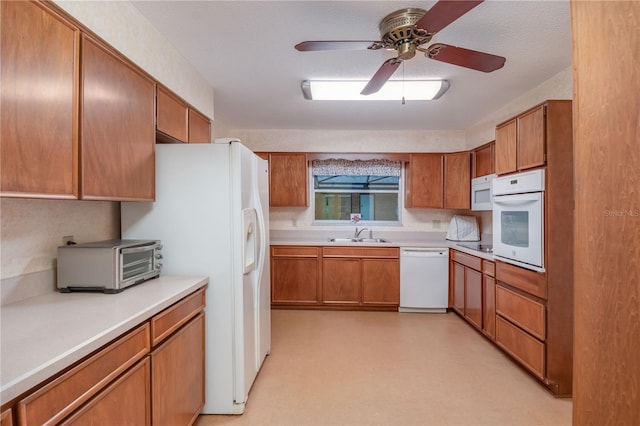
x: 353, y: 191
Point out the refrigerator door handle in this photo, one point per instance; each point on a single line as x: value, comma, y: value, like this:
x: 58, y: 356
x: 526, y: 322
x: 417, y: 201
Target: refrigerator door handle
x: 249, y: 219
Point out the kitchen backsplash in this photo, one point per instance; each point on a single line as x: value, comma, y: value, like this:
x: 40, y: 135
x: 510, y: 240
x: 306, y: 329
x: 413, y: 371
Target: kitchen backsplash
x: 413, y: 220
x: 31, y: 230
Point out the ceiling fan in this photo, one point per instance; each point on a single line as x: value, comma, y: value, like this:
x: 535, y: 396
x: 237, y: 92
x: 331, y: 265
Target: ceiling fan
x: 407, y: 31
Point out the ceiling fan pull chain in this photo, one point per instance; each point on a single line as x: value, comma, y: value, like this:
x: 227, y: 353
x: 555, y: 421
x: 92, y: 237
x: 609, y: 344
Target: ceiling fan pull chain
x: 402, y: 82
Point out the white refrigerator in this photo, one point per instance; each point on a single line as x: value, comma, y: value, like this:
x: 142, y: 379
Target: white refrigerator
x: 211, y: 215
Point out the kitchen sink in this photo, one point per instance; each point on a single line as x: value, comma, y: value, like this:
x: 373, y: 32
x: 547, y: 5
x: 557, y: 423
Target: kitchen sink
x: 359, y: 240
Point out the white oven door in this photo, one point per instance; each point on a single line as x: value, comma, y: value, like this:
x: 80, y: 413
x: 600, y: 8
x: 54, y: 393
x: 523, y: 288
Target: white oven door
x: 518, y: 229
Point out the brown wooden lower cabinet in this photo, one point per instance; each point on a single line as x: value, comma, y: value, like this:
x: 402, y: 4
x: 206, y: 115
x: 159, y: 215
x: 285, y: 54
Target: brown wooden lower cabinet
x: 295, y: 275
x: 335, y: 277
x: 380, y: 282
x: 489, y: 309
x: 367, y: 277
x: 129, y: 381
x: 458, y: 287
x: 341, y: 280
x: 177, y: 394
x: 124, y: 402
x: 467, y: 287
x: 520, y: 311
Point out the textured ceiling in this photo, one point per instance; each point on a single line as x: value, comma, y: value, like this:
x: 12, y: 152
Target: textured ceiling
x: 245, y: 49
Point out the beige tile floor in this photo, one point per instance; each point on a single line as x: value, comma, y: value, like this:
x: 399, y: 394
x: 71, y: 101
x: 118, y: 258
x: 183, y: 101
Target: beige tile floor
x: 389, y: 368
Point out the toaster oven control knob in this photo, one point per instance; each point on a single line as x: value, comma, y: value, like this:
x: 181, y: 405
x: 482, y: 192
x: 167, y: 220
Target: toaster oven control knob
x: 159, y: 256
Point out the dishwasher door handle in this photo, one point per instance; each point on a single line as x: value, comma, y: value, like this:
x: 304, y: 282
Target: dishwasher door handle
x: 425, y: 252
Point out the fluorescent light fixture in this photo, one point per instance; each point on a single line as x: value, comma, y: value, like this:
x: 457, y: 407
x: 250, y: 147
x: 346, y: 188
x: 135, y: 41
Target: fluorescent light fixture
x: 393, y: 90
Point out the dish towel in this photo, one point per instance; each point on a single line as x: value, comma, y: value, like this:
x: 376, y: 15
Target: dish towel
x: 463, y: 228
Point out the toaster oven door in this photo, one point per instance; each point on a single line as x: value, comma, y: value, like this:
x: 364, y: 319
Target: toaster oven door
x: 138, y: 264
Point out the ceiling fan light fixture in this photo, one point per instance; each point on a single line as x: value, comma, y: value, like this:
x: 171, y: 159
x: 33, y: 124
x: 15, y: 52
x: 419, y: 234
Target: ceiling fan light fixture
x: 393, y: 90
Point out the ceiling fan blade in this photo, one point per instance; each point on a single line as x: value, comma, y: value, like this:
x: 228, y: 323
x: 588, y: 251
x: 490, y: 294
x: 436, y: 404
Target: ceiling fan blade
x: 443, y: 13
x: 307, y: 46
x: 381, y: 76
x: 473, y: 59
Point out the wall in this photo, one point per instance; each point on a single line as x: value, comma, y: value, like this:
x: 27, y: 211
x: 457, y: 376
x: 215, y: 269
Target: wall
x: 120, y: 24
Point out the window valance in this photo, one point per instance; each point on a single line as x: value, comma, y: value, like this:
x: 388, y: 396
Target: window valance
x: 336, y: 166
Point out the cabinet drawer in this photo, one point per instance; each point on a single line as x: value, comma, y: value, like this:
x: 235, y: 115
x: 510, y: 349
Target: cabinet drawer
x: 526, y: 349
x: 467, y: 260
x: 362, y: 252
x: 294, y: 251
x: 165, y: 323
x: 522, y: 311
x: 526, y: 280
x: 489, y: 268
x: 55, y: 400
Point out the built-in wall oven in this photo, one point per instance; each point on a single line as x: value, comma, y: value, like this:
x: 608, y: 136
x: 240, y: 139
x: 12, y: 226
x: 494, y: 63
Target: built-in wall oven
x: 518, y: 219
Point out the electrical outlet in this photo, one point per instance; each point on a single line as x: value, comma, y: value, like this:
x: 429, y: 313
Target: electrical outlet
x: 435, y: 223
x: 66, y: 239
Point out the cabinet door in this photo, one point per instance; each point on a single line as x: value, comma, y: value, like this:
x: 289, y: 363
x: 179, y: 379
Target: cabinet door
x: 177, y: 376
x: 118, y: 132
x: 425, y: 181
x: 531, y: 139
x: 457, y: 180
x: 39, y: 79
x: 505, y: 150
x: 489, y: 308
x: 125, y: 402
x: 171, y: 115
x: 458, y: 287
x: 288, y: 180
x: 6, y: 418
x: 473, y: 296
x: 294, y: 280
x: 199, y: 128
x: 483, y: 160
x: 380, y: 281
x: 341, y: 281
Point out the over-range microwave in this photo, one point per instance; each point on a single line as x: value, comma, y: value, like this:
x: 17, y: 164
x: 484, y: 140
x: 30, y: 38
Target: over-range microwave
x: 108, y: 266
x: 482, y: 193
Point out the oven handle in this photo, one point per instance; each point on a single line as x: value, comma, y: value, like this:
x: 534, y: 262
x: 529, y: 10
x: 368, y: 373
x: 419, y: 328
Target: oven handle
x: 517, y: 200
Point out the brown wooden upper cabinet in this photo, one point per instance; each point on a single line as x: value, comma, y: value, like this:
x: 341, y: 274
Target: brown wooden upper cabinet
x: 118, y: 136
x: 39, y: 118
x: 172, y: 115
x: 424, y: 181
x: 288, y: 179
x: 64, y: 136
x: 457, y: 180
x: 177, y: 122
x: 482, y: 160
x: 199, y: 127
x: 438, y: 181
x: 521, y: 142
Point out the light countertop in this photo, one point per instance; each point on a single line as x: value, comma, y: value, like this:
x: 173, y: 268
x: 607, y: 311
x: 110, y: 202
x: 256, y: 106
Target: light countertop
x: 42, y: 335
x: 396, y: 239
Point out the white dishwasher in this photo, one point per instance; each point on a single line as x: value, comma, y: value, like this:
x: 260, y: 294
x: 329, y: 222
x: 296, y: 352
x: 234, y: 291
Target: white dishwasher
x: 424, y: 279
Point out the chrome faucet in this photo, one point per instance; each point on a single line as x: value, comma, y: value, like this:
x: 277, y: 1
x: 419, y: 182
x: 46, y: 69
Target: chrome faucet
x: 357, y: 233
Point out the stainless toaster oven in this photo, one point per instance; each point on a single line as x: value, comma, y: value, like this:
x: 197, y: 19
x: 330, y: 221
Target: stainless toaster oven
x: 108, y: 266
